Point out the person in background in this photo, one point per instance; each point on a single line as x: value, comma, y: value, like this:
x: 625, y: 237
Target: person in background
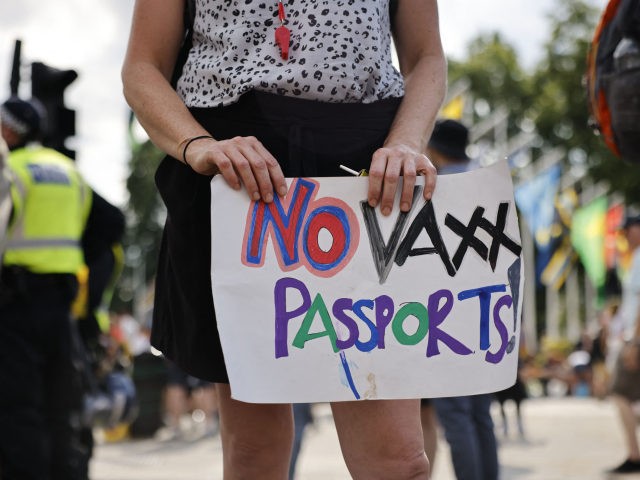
x: 270, y: 89
x: 302, y: 418
x: 42, y: 255
x: 466, y: 421
x: 39, y: 186
x: 104, y: 260
x: 625, y: 327
x: 601, y: 370
x: 517, y: 393
x: 581, y: 363
x: 187, y: 395
x: 5, y: 190
x: 430, y: 426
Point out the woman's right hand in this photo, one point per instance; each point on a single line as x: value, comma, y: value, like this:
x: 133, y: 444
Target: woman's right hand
x: 154, y: 43
x: 241, y: 161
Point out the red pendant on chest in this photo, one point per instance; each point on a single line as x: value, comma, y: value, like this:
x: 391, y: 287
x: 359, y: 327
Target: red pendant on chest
x: 283, y: 35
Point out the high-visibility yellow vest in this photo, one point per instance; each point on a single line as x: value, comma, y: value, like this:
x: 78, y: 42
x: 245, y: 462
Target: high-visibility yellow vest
x: 51, y: 205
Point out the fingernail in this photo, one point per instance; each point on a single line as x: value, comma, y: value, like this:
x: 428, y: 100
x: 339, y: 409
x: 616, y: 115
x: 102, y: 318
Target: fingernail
x: 282, y: 191
x: 255, y: 196
x: 386, y: 211
x: 404, y: 206
x: 373, y: 202
x: 268, y: 198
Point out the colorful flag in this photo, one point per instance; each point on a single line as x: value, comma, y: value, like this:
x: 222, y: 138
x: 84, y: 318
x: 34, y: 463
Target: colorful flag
x: 564, y: 256
x: 613, y: 221
x: 536, y: 201
x: 454, y: 109
x: 587, y: 237
x: 560, y: 265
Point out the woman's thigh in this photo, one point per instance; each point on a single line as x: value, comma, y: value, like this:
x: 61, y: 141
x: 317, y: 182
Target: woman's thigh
x: 244, y: 418
x: 380, y: 437
x: 254, y: 436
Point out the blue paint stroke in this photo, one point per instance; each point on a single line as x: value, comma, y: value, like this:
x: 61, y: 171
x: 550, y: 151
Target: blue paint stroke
x: 347, y: 372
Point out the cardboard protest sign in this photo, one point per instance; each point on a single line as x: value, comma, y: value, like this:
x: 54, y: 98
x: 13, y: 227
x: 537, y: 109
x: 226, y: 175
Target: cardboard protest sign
x: 318, y: 297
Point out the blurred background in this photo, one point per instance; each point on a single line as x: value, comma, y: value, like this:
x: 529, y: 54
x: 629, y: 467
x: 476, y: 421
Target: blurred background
x: 516, y: 77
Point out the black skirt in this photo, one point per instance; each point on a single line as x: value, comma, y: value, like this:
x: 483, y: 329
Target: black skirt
x: 309, y: 139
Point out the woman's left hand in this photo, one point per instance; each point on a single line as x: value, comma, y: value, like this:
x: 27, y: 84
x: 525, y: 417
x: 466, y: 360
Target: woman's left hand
x: 392, y: 163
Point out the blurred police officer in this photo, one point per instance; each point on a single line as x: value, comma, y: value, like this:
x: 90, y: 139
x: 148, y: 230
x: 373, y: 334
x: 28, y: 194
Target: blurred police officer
x: 38, y: 281
x: 5, y: 192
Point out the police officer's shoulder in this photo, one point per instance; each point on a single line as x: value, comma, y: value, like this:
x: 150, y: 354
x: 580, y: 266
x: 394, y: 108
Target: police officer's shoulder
x: 43, y: 165
x: 36, y: 154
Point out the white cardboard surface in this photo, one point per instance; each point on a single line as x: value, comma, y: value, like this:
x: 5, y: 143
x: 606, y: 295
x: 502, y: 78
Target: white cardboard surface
x: 304, y: 315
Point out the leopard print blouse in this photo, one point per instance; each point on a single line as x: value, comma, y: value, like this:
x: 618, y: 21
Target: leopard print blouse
x: 340, y: 51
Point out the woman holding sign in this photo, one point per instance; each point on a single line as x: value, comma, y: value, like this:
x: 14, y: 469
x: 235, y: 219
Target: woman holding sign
x: 270, y: 89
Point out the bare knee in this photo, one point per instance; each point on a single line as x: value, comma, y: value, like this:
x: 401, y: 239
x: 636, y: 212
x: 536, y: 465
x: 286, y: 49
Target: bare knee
x: 260, y: 457
x: 418, y: 467
x: 393, y: 464
x: 382, y: 439
x: 408, y: 466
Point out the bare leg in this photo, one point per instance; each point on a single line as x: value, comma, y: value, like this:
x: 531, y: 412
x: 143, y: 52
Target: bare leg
x: 505, y: 425
x: 519, y: 420
x: 176, y: 405
x: 628, y: 421
x: 429, y: 432
x: 256, y: 438
x: 204, y: 401
x: 382, y: 439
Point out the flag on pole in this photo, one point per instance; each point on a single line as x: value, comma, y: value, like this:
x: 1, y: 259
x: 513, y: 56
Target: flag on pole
x: 587, y: 237
x: 454, y: 109
x: 536, y: 200
x: 564, y: 256
x: 613, y: 221
x: 560, y: 265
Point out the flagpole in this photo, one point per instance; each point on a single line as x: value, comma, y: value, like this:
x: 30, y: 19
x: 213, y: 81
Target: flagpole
x: 529, y: 317
x: 552, y: 313
x: 572, y: 296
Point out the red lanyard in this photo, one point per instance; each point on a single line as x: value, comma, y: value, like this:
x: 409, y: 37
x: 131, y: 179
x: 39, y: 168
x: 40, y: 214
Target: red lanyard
x: 282, y: 33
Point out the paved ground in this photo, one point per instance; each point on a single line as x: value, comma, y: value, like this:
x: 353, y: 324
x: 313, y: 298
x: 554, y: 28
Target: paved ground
x: 565, y: 439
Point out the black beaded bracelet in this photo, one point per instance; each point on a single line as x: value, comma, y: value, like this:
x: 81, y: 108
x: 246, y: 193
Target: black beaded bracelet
x: 186, y: 145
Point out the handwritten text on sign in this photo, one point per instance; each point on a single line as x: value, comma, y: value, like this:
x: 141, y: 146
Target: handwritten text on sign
x: 324, y: 284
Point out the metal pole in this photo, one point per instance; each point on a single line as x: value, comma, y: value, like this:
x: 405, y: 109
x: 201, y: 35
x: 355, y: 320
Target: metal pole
x: 14, y: 83
x: 552, y: 313
x: 529, y: 317
x: 572, y: 293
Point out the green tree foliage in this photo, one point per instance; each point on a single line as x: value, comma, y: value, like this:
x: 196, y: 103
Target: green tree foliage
x: 145, y: 213
x: 144, y: 200
x: 496, y: 78
x: 562, y: 112
x: 561, y: 102
x: 553, y: 95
